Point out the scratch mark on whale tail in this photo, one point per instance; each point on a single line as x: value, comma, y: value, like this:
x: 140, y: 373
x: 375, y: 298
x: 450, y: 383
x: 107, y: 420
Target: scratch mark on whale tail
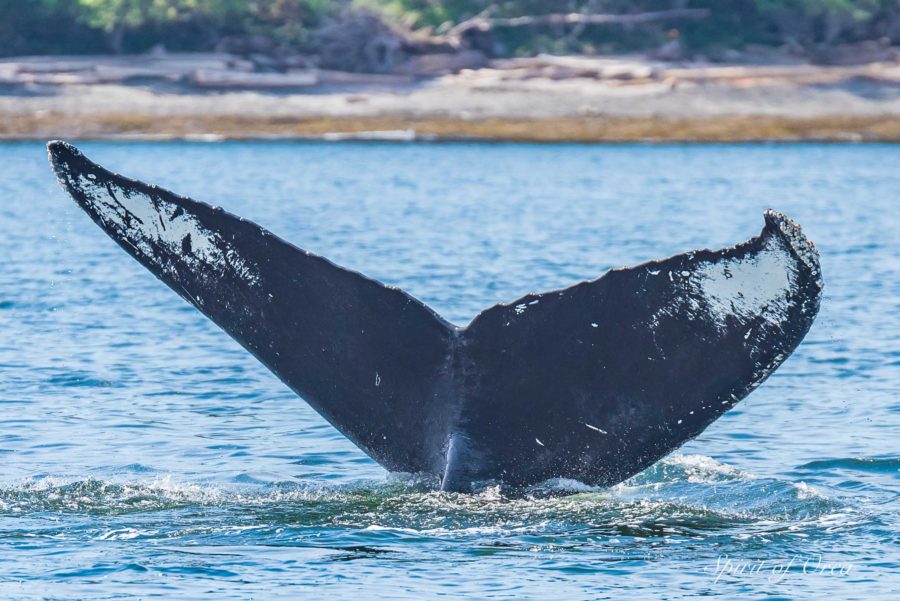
x: 594, y: 382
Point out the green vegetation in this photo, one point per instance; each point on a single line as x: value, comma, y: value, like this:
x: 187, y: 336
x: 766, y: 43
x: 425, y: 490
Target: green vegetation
x: 731, y: 24
x: 87, y: 26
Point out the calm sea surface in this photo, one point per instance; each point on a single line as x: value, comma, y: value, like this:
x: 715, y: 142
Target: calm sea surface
x: 144, y: 454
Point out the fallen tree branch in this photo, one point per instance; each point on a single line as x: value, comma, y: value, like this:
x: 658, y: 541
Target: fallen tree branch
x: 483, y: 23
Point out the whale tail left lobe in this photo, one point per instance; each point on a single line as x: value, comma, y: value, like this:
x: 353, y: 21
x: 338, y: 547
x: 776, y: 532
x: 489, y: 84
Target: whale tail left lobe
x: 363, y: 355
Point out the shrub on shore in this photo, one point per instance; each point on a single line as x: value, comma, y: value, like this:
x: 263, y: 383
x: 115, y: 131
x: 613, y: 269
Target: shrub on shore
x: 91, y: 26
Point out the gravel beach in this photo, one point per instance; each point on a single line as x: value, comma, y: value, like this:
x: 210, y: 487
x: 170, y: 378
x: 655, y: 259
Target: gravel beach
x: 540, y: 99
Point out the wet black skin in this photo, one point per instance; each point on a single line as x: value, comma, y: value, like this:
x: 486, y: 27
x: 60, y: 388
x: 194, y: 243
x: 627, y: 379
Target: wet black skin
x: 592, y: 382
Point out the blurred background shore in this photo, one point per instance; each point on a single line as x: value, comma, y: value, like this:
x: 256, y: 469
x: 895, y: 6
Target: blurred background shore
x: 530, y: 70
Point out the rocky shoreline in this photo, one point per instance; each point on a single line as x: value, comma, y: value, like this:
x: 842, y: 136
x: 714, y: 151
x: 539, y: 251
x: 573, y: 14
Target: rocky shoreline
x: 544, y: 98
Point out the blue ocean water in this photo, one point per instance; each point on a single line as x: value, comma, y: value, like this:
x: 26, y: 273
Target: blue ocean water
x: 145, y: 454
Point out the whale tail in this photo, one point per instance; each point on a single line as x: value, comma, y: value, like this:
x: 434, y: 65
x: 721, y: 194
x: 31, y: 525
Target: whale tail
x: 594, y: 382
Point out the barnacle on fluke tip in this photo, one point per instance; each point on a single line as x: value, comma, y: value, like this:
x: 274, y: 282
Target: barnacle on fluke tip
x: 595, y: 382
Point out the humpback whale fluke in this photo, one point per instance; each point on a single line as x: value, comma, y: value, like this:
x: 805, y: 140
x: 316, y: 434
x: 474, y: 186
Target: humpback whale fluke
x: 595, y: 382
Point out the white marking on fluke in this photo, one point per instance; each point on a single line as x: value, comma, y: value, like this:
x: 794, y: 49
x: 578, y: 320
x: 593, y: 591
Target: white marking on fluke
x: 146, y: 222
x: 539, y: 442
x: 742, y: 289
x: 758, y: 284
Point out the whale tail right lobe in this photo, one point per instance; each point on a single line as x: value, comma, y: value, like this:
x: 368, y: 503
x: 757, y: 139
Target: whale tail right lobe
x: 598, y: 381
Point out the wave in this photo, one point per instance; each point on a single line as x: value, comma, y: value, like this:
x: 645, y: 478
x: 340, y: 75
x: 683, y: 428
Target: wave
x: 864, y: 464
x: 687, y: 495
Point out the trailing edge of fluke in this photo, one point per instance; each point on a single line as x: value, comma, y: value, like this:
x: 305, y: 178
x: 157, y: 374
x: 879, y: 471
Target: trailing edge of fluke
x: 594, y: 382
